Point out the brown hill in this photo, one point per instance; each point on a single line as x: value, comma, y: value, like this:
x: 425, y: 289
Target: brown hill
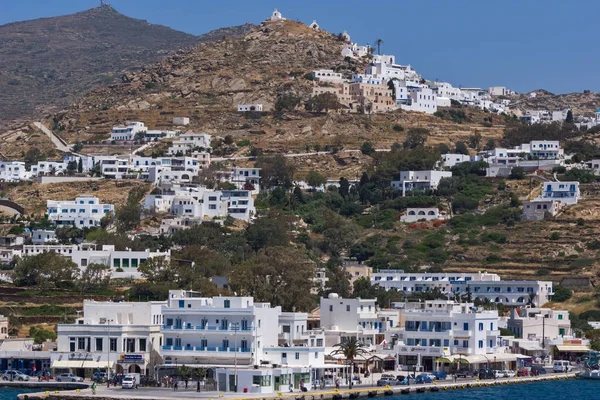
x: 46, y: 63
x: 580, y: 103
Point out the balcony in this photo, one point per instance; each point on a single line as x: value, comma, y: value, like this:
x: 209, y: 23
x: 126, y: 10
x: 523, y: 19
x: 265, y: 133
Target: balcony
x: 207, y: 328
x: 208, y: 351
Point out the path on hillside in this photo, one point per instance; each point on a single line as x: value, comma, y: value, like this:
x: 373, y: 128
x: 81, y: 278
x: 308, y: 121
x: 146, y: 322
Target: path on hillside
x: 293, y: 155
x: 58, y: 142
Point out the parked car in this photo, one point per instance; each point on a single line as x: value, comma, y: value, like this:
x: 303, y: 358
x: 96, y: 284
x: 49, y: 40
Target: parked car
x: 387, y: 376
x: 561, y: 366
x: 68, y: 378
x: 440, y: 375
x: 99, y: 377
x: 465, y: 373
x: 387, y: 381
x: 486, y: 373
x: 12, y: 375
x: 509, y: 373
x: 523, y: 372
x: 425, y: 378
x: 400, y: 378
x: 499, y: 374
x: 537, y: 370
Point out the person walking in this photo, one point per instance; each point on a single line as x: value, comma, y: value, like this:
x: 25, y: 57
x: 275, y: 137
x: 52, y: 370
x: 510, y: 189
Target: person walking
x: 337, y: 383
x: 198, y: 387
x: 291, y: 387
x: 175, y: 384
x: 94, y: 387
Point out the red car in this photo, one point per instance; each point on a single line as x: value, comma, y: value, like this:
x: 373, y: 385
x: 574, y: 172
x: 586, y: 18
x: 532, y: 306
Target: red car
x: 523, y: 372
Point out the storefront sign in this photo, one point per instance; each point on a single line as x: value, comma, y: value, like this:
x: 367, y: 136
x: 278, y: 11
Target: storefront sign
x: 131, y: 358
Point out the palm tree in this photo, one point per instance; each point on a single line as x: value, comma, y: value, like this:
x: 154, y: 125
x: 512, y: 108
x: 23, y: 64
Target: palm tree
x: 350, y: 349
x: 379, y: 42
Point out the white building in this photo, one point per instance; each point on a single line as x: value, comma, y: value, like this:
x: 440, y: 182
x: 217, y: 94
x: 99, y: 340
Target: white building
x: 499, y: 91
x: 13, y: 171
x: 43, y: 236
x: 423, y: 213
x: 190, y: 142
x: 545, y: 149
x: 342, y: 319
x: 480, y: 286
x: 127, y: 133
x: 538, y: 209
x: 565, y: 192
x: 438, y: 328
x: 540, y: 324
x: 249, y: 107
x: 419, y: 180
x: 420, y: 99
x: 327, y: 75
x: 123, y: 337
x: 202, y: 203
x: 181, y: 121
x: 86, y: 211
x: 276, y: 16
x: 450, y: 160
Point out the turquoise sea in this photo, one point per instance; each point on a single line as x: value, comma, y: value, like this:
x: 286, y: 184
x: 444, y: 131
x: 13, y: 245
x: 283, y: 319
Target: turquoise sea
x: 553, y: 390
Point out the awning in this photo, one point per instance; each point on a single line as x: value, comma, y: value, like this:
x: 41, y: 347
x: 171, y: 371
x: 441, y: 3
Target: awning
x: 530, y: 346
x: 573, y: 348
x: 81, y: 364
x: 503, y: 357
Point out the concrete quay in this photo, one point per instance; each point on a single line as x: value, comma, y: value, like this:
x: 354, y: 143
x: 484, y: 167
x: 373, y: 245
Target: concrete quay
x: 358, y: 391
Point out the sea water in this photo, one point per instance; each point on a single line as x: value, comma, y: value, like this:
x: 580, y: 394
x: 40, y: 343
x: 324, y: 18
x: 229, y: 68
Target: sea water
x: 553, y: 390
x: 11, y: 394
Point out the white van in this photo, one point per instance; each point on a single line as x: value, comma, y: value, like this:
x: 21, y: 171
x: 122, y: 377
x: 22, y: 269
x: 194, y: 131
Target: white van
x: 561, y: 366
x: 131, y: 381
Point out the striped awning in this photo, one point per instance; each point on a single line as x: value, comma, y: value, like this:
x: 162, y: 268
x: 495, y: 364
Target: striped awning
x: 82, y: 364
x: 573, y: 347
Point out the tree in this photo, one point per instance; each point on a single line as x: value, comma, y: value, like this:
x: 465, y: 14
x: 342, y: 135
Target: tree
x: 443, y: 148
x: 71, y: 167
x: 155, y: 269
x: 367, y: 148
x: 461, y: 148
x: 315, y: 179
x: 46, y: 270
x: 350, y: 349
x: 41, y: 335
x: 323, y: 103
x: 128, y: 216
x: 286, y: 102
x: 270, y: 230
x: 490, y: 145
x: 415, y: 138
x: 475, y: 140
x: 80, y: 166
x: 517, y: 173
x: 279, y: 275
x: 32, y: 156
x: 94, y: 277
x: 569, y: 119
x: 378, y: 43
x: 77, y: 147
x: 339, y: 282
x: 344, y: 188
x: 561, y: 294
x: 275, y: 171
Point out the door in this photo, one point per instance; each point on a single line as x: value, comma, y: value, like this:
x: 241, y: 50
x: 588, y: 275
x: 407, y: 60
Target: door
x: 232, y: 387
x: 277, y: 381
x: 222, y: 382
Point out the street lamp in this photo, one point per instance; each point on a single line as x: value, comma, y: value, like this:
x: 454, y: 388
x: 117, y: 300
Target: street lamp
x: 495, y: 367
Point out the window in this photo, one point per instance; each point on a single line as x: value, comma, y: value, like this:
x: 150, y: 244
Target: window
x: 212, y: 206
x: 316, y: 354
x: 465, y: 326
x: 348, y: 308
x: 71, y: 344
x: 284, y: 355
x: 446, y: 342
x: 481, y: 344
x: 319, y: 342
x: 212, y: 198
x: 481, y: 326
x: 81, y: 344
x: 297, y: 356
x: 261, y: 380
x: 330, y: 308
x: 113, y: 344
x: 98, y: 344
x: 130, y: 345
x: 227, y: 304
x: 560, y: 316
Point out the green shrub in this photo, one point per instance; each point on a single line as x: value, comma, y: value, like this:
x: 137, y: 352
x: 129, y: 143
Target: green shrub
x: 542, y: 272
x: 243, y: 143
x: 555, y: 235
x: 561, y: 293
x: 150, y: 85
x: 398, y: 128
x: 496, y: 237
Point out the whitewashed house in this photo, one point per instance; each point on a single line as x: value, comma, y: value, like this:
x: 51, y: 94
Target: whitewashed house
x: 276, y: 16
x: 538, y: 209
x: 423, y: 213
x: 540, y: 324
x: 450, y: 160
x: 13, y: 171
x: 190, y: 142
x: 481, y: 286
x: 419, y: 180
x: 438, y: 328
x: 565, y: 192
x: 119, y: 336
x: 127, y: 133
x: 85, y: 212
x: 43, y: 236
x: 249, y: 107
x: 327, y: 75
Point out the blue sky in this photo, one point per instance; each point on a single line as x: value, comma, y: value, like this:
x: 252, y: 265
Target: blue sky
x: 522, y: 44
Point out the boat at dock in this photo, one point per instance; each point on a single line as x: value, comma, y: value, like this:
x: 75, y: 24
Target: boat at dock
x: 589, y: 374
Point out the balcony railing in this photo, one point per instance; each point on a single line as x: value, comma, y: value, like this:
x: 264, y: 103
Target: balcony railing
x: 208, y: 349
x: 209, y: 328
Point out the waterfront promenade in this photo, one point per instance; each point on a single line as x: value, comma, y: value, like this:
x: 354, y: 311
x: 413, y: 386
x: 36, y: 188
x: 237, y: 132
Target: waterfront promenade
x: 344, y: 393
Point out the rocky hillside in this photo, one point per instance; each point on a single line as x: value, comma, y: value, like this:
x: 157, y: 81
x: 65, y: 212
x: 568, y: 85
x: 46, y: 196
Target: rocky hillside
x: 580, y: 103
x: 47, y: 63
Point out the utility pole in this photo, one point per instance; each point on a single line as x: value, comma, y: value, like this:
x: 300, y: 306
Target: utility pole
x: 544, y: 333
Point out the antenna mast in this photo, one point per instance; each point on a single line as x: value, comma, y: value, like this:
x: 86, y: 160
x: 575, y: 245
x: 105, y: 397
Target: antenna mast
x: 103, y: 3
